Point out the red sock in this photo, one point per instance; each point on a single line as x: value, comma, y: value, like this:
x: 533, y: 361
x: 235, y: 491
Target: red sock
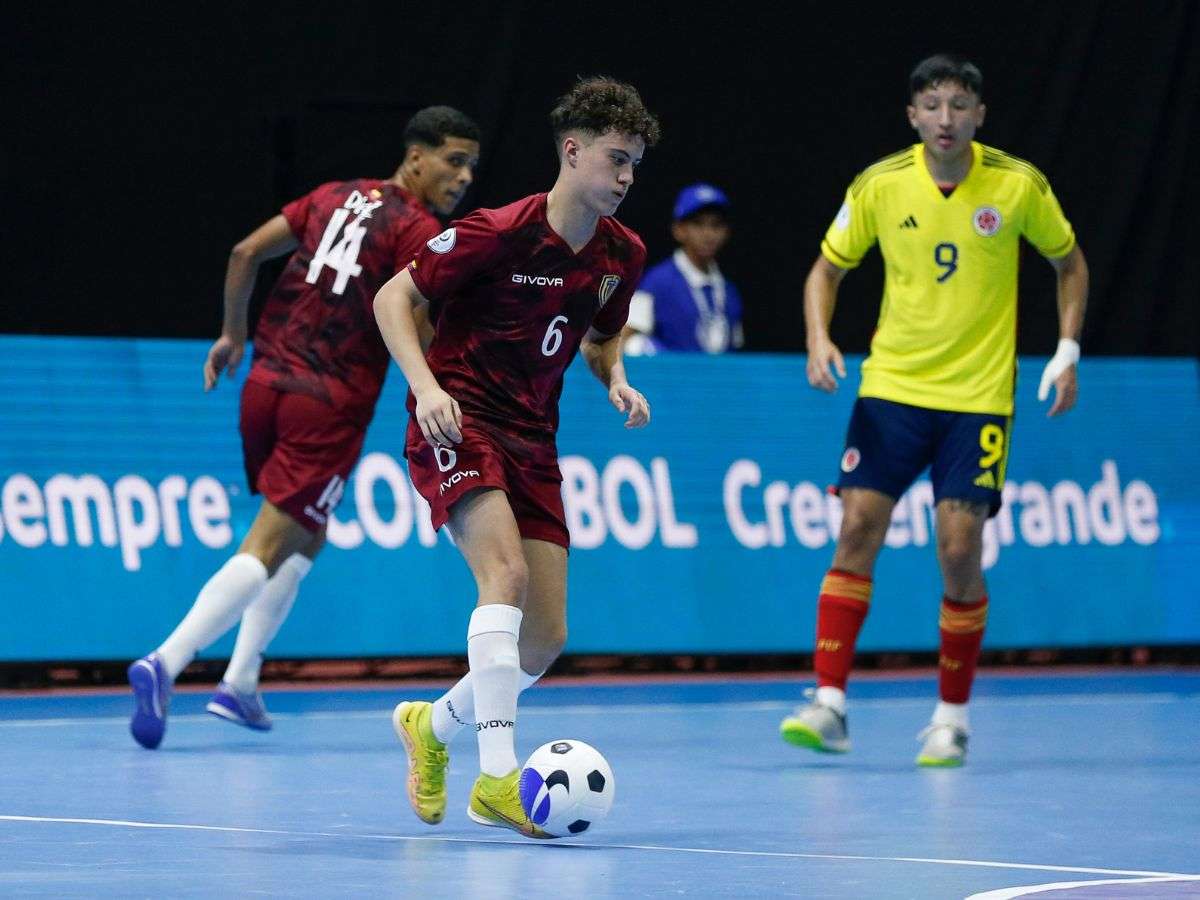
x: 962, y: 633
x: 841, y: 609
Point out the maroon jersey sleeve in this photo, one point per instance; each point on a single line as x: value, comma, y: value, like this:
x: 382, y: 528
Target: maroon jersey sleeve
x: 297, y: 212
x: 448, y: 262
x: 412, y: 237
x: 614, y: 313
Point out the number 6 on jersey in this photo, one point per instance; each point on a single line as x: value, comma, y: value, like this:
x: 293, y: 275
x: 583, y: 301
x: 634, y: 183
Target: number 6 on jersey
x: 554, y: 337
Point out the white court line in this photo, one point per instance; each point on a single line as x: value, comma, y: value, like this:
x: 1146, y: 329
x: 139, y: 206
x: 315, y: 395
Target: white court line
x: 119, y: 823
x: 640, y: 708
x: 1026, y: 890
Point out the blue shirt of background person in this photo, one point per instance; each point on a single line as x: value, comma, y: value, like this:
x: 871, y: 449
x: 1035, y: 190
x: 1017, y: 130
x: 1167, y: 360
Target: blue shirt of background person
x: 684, y: 303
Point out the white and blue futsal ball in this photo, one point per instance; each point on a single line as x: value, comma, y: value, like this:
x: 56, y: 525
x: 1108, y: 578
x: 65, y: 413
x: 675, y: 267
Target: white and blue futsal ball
x: 566, y: 787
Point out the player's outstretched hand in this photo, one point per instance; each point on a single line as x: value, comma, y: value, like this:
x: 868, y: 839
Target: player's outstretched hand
x: 627, y: 400
x: 440, y: 418
x: 820, y: 359
x: 225, y: 353
x: 1066, y: 388
x: 1061, y: 372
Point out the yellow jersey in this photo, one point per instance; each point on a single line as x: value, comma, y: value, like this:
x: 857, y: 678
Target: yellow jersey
x: 946, y: 337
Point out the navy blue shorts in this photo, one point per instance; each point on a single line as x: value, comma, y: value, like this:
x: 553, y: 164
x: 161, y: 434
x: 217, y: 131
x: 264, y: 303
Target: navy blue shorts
x: 889, y: 444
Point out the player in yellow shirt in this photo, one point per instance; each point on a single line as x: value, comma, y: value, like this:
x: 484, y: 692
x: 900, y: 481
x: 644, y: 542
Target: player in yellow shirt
x: 937, y: 388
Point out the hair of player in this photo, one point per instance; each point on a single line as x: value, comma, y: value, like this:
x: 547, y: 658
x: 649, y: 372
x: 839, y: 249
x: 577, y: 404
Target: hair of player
x: 600, y: 104
x: 433, y: 124
x: 943, y: 67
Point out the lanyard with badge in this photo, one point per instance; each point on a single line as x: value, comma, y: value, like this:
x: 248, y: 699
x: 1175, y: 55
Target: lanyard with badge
x: 712, y: 326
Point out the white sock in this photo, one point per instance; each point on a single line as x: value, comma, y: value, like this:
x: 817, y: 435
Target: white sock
x: 951, y: 714
x: 261, y: 621
x: 834, y: 698
x: 495, y: 673
x: 218, y: 605
x: 456, y: 708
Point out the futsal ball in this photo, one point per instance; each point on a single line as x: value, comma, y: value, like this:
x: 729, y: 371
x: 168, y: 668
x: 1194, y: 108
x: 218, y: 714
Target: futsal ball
x: 566, y: 787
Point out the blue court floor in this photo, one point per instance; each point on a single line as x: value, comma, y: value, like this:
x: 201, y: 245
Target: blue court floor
x: 1081, y: 779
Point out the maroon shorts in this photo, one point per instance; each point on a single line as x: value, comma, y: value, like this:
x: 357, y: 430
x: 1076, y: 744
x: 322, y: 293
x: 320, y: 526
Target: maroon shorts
x: 491, y: 458
x: 298, y: 452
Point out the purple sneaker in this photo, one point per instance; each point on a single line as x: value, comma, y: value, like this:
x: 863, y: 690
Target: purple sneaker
x: 152, y: 694
x: 239, y: 708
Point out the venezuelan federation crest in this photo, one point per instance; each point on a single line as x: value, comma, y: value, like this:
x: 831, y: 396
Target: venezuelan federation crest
x: 608, y: 286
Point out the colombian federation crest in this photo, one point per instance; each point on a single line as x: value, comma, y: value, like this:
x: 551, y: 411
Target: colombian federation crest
x: 987, y: 221
x: 608, y: 286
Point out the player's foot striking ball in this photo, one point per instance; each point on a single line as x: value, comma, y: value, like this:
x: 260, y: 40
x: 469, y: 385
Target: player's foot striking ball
x: 567, y: 787
x: 428, y: 760
x: 497, y: 801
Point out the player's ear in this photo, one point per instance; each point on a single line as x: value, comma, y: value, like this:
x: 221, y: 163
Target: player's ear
x: 570, y: 151
x: 911, y: 112
x: 413, y: 156
x: 980, y: 114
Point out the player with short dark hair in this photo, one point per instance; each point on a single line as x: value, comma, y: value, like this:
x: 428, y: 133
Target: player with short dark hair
x: 319, y: 366
x: 938, y: 387
x: 513, y: 293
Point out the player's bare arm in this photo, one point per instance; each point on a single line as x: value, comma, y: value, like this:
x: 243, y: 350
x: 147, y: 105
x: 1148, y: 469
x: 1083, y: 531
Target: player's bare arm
x: 396, y: 311
x: 602, y: 352
x: 273, y: 238
x: 1062, y: 370
x: 820, y: 297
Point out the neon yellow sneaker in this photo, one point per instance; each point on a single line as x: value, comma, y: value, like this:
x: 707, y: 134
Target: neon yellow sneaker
x: 817, y: 727
x: 945, y: 746
x: 497, y: 802
x: 427, y: 760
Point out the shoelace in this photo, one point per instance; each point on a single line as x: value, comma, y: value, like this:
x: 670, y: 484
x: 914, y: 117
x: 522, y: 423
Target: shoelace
x: 433, y: 767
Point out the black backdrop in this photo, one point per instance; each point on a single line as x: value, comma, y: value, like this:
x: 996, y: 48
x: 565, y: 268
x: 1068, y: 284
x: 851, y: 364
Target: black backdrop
x: 141, y: 143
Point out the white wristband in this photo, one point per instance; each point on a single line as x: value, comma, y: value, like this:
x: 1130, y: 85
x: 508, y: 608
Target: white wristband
x: 1064, y: 357
x: 1067, y: 349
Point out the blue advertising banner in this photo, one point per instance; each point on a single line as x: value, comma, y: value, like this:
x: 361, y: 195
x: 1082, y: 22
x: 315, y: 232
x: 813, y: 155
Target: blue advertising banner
x: 121, y: 491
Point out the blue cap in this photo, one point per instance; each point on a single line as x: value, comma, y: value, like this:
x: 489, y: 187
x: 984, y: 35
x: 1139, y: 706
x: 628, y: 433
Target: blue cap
x: 696, y: 197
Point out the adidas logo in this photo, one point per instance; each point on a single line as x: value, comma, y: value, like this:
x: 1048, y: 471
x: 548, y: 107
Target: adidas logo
x: 986, y: 480
x: 910, y: 222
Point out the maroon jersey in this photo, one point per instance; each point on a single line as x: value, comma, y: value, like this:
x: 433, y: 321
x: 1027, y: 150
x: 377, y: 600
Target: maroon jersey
x: 317, y: 334
x: 511, y: 303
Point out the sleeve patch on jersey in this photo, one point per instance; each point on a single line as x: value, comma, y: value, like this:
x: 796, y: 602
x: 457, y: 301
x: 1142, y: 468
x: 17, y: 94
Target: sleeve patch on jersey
x: 842, y: 219
x: 608, y: 286
x: 444, y: 242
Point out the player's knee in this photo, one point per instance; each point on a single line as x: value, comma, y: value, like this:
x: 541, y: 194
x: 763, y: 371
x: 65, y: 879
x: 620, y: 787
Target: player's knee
x: 958, y: 552
x: 506, y: 578
x: 859, y: 533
